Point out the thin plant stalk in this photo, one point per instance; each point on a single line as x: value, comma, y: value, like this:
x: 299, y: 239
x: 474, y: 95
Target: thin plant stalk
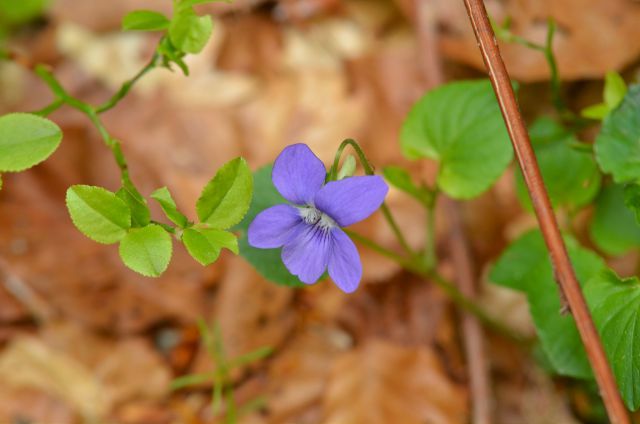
x: 564, y: 271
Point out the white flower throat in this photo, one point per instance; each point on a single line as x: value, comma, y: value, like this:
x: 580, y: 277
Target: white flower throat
x: 312, y: 216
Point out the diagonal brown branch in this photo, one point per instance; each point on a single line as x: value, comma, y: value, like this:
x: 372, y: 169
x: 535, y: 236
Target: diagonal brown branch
x: 564, y: 270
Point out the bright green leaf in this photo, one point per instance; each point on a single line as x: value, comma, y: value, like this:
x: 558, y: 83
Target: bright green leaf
x: 597, y: 111
x: 140, y: 214
x: 613, y: 227
x: 221, y: 238
x: 168, y: 205
x: 147, y: 250
x: 400, y: 179
x: 614, y: 89
x: 190, y: 32
x: 525, y: 266
x: 204, y: 244
x: 26, y: 140
x: 613, y: 93
x: 571, y: 176
x: 171, y: 55
x: 18, y: 12
x: 145, y: 20
x: 617, y: 144
x: 97, y: 213
x: 267, y: 262
x: 615, y: 306
x: 460, y: 125
x: 199, y: 247
x: 226, y: 198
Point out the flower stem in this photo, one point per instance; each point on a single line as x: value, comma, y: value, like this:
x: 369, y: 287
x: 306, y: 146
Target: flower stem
x: 396, y: 229
x: 63, y: 97
x: 50, y: 108
x: 430, y: 244
x: 369, y: 170
x: 447, y: 287
x: 405, y: 263
x: 127, y: 85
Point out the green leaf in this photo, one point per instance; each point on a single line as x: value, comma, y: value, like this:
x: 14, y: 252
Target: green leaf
x: 20, y: 12
x: 0, y: 181
x: 267, y: 262
x: 597, y: 111
x: 632, y: 199
x: 525, y: 266
x: 614, y: 89
x: 171, y: 55
x: 26, y: 140
x: 460, y: 125
x: 613, y: 227
x: 571, y: 176
x: 221, y: 239
x: 226, y: 198
x: 168, y: 205
x: 98, y: 213
x: 140, y: 214
x: 204, y: 244
x: 613, y: 93
x: 147, y: 250
x: 400, y: 179
x: 617, y: 144
x: 615, y: 306
x: 190, y: 32
x: 145, y: 20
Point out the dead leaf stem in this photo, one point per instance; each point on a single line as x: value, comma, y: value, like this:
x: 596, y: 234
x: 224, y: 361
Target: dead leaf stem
x: 544, y: 212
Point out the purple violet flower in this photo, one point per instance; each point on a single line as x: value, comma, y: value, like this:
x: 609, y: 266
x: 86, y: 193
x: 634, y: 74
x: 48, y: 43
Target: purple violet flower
x: 309, y: 230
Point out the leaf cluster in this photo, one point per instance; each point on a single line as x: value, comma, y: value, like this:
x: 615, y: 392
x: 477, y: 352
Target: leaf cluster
x: 145, y: 246
x: 186, y: 32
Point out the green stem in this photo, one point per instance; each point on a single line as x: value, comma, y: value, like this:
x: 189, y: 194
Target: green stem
x: 470, y: 306
x: 369, y: 170
x: 379, y: 249
x: 50, y: 108
x: 547, y: 51
x: 126, y: 86
x: 64, y: 98
x: 450, y: 289
x: 556, y: 92
x: 396, y: 229
x: 430, y: 245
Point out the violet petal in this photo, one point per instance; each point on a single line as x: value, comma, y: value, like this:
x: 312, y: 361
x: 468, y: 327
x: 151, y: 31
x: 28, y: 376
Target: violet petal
x: 352, y: 199
x: 272, y: 227
x: 345, y: 268
x: 307, y: 254
x: 298, y: 174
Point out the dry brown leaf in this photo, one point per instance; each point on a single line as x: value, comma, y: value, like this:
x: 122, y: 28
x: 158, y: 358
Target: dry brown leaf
x: 297, y: 376
x: 533, y: 400
x: 375, y: 311
x: 252, y: 313
x: 91, y: 373
x: 101, y: 16
x: 29, y: 363
x: 385, y: 383
x: 592, y: 37
x: 128, y: 368
x: 33, y: 406
x: 111, y: 58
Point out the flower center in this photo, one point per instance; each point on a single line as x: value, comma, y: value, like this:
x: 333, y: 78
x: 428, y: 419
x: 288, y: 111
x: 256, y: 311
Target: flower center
x: 313, y: 216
